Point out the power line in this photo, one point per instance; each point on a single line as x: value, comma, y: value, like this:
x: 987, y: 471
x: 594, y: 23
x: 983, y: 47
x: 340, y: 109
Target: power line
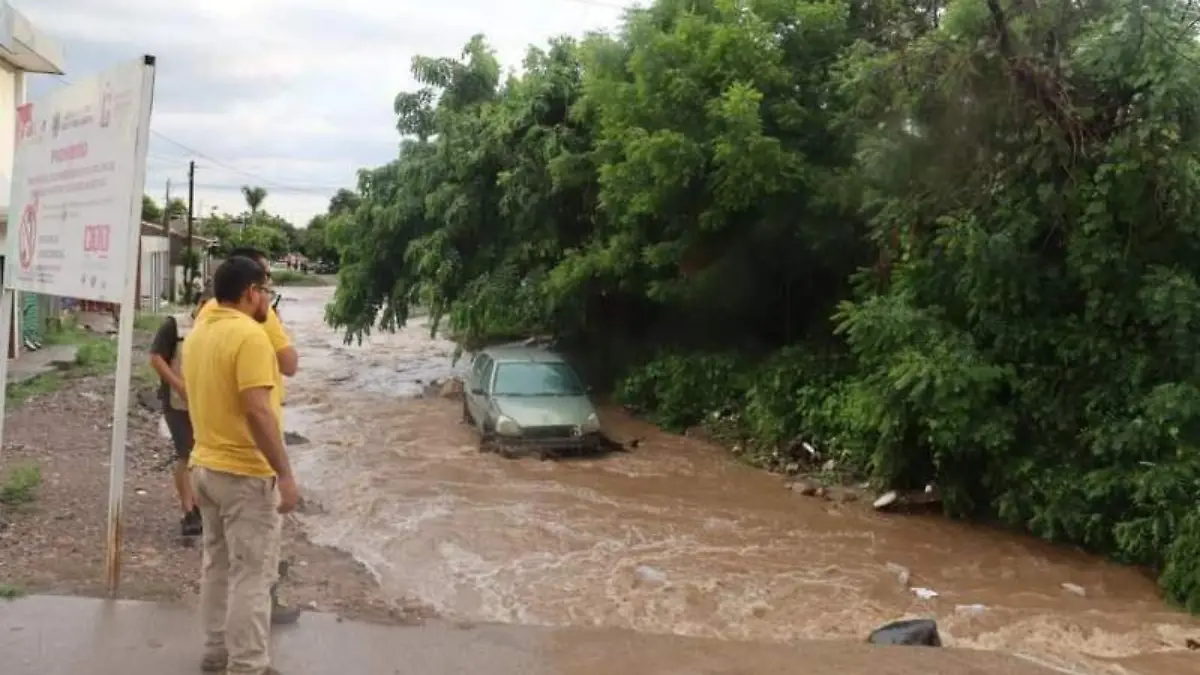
x: 267, y: 182
x: 323, y: 191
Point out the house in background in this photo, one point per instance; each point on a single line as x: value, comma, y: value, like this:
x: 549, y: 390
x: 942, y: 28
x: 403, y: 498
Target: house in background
x: 154, y: 267
x: 24, y: 49
x: 162, y: 261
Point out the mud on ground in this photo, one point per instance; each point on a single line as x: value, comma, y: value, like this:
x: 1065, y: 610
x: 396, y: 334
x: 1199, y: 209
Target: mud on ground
x: 55, y: 543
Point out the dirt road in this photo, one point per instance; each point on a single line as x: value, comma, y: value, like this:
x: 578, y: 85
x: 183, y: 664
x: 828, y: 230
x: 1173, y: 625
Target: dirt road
x: 55, y: 542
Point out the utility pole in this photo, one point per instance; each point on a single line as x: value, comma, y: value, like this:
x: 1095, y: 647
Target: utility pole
x: 189, y: 274
x: 166, y: 225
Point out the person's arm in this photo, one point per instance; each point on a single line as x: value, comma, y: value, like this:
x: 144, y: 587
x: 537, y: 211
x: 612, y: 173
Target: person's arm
x: 166, y: 341
x: 264, y: 427
x: 285, y: 354
x: 255, y: 379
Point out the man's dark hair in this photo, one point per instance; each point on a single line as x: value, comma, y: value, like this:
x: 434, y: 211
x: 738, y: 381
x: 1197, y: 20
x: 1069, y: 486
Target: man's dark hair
x: 248, y: 252
x: 234, y: 276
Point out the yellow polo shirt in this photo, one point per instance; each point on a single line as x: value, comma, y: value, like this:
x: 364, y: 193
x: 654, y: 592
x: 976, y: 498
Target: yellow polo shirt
x: 225, y: 354
x: 274, y: 328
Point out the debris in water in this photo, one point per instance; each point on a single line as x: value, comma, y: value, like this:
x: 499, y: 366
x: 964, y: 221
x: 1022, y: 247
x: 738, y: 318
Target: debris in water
x: 649, y: 575
x: 452, y: 389
x: 293, y: 438
x: 140, y: 491
x: 924, y: 593
x: 901, y: 572
x: 886, y: 500
x: 805, y: 487
x: 1074, y: 588
x: 913, y: 632
x: 970, y: 610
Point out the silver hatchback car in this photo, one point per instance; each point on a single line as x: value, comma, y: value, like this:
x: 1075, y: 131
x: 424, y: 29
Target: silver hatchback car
x: 529, y: 397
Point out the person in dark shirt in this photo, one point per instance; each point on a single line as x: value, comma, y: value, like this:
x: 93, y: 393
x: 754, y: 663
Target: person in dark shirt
x: 172, y: 393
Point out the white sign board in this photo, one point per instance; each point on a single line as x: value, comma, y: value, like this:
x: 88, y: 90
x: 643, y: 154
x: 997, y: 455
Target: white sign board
x: 75, y: 224
x: 76, y: 167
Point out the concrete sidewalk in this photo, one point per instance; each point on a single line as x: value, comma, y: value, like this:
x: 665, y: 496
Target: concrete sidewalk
x: 45, y: 635
x: 48, y: 359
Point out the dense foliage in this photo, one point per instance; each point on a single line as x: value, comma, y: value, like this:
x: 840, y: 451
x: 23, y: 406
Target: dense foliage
x: 255, y: 227
x: 935, y: 240
x: 317, y: 241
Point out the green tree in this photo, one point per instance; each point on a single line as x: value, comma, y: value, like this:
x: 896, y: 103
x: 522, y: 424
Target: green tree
x: 316, y: 240
x: 177, y: 209
x: 151, y: 211
x: 219, y: 226
x: 943, y: 241
x: 254, y: 196
x: 344, y: 202
x: 269, y: 239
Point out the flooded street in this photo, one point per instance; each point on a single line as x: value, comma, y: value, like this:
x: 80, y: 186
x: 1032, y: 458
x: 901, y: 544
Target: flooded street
x: 671, y: 538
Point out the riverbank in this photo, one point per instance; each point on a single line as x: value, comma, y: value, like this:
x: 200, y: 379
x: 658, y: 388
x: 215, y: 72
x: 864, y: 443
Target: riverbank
x: 296, y: 278
x: 144, y: 638
x: 53, y: 507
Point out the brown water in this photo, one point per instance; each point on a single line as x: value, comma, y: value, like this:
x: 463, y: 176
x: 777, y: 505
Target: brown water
x: 671, y: 538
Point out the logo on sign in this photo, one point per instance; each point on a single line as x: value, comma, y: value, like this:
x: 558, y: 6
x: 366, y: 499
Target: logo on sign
x: 27, y: 237
x: 95, y: 239
x: 25, y: 126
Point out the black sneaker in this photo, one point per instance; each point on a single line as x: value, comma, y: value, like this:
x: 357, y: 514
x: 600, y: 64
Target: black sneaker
x: 282, y: 614
x: 191, y: 525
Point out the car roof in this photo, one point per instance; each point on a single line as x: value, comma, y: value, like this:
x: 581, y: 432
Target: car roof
x: 508, y: 354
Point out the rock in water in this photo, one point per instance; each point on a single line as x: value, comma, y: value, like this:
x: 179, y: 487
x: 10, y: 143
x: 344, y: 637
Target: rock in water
x: 293, y: 438
x: 914, y: 632
x: 648, y: 575
x: 451, y: 389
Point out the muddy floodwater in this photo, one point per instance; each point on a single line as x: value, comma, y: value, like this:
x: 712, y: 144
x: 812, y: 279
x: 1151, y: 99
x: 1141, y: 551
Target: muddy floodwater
x: 671, y: 538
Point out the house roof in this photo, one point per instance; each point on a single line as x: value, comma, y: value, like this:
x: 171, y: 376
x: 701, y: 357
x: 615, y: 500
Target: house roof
x: 25, y: 46
x: 158, y: 228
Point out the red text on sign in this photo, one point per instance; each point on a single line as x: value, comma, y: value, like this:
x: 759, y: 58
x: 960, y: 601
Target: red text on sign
x: 76, y: 151
x: 95, y: 239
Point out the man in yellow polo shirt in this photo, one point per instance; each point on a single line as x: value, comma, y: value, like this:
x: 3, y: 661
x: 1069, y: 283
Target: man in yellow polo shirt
x: 285, y: 353
x: 241, y: 475
x: 289, y: 362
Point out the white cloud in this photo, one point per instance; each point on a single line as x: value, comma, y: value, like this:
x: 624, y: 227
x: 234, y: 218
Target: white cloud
x: 293, y: 95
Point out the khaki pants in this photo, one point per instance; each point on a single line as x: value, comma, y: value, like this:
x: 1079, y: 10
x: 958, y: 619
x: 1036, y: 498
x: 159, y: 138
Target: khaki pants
x: 241, y: 554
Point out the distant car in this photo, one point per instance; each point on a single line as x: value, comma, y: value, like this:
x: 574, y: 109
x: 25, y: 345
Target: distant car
x: 529, y: 397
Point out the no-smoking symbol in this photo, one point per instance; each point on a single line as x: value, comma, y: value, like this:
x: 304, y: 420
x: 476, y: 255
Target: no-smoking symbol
x: 27, y: 236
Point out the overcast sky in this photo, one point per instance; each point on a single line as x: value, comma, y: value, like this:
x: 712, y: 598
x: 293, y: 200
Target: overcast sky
x: 292, y: 95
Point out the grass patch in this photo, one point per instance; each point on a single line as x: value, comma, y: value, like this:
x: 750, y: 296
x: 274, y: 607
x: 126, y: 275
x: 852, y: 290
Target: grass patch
x: 294, y: 278
x: 11, y: 592
x: 21, y: 485
x: 20, y: 392
x: 96, y: 356
x: 148, y: 321
x: 94, y: 353
x: 144, y: 376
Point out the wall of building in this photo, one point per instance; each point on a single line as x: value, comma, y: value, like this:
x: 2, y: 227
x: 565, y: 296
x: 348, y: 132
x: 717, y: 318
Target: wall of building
x: 154, y: 283
x: 12, y: 90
